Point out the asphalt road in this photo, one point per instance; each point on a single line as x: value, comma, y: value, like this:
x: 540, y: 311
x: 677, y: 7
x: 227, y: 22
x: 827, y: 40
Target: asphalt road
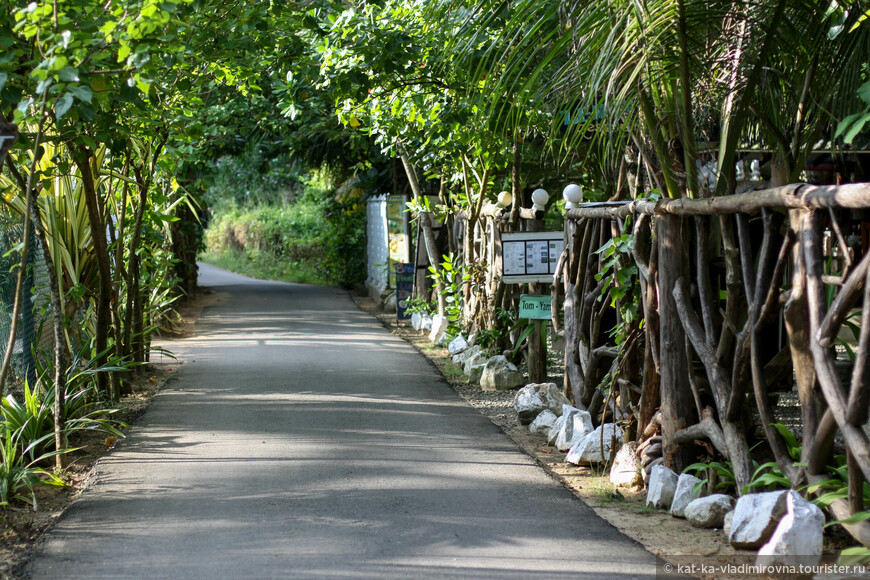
x: 300, y: 439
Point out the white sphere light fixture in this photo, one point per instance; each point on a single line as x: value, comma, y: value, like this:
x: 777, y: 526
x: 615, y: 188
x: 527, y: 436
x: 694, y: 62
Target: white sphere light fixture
x: 504, y: 199
x: 540, y: 197
x: 573, y: 195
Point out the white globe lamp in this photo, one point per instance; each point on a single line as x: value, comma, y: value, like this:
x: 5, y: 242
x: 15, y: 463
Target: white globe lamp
x: 540, y: 197
x: 573, y: 195
x: 504, y: 199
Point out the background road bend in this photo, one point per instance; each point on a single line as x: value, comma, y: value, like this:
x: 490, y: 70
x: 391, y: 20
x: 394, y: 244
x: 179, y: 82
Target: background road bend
x: 300, y: 439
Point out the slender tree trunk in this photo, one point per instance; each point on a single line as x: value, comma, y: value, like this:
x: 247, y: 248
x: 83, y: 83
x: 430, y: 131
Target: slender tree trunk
x: 675, y: 392
x: 82, y: 160
x: 428, y: 234
x: 61, y: 352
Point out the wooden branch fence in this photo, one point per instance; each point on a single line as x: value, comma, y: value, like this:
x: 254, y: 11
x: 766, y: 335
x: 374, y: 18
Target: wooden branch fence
x: 717, y: 304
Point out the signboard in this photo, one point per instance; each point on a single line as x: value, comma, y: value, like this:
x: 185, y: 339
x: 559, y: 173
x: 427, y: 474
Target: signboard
x: 404, y: 288
x: 529, y: 257
x: 397, y: 233
x: 535, y: 307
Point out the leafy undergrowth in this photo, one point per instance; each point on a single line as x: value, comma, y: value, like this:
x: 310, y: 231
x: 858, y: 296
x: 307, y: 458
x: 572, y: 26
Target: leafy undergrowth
x: 21, y: 526
x: 263, y: 266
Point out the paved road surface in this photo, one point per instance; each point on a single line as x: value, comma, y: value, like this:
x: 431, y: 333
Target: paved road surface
x: 302, y: 440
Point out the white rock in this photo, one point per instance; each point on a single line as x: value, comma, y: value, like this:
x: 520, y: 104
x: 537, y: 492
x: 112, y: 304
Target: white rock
x: 557, y: 427
x: 626, y: 467
x: 426, y: 322
x: 797, y: 539
x: 439, y: 327
x: 688, y: 489
x: 577, y: 425
x: 474, y: 372
x: 472, y: 339
x: 457, y: 345
x: 462, y: 357
x: 474, y: 356
x: 500, y: 375
x: 662, y: 485
x: 710, y: 511
x: 417, y: 321
x: 543, y: 422
x: 534, y: 398
x: 588, y: 449
x: 390, y: 303
x: 726, y: 521
x: 566, y: 411
x: 755, y: 518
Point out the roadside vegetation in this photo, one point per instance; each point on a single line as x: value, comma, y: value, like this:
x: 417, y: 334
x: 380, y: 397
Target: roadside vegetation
x: 140, y: 134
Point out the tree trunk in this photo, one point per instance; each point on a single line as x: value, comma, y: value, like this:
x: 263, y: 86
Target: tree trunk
x: 61, y: 352
x: 676, y: 396
x: 82, y: 160
x: 428, y: 234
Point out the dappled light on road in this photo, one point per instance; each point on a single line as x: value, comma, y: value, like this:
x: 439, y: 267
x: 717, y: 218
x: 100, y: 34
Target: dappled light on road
x: 308, y: 442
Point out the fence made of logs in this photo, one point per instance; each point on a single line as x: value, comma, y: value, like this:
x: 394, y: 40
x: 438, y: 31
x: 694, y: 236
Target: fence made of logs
x: 686, y: 316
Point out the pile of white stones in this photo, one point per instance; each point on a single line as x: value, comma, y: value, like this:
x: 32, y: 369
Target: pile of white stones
x: 494, y: 373
x: 548, y: 412
x: 785, y: 528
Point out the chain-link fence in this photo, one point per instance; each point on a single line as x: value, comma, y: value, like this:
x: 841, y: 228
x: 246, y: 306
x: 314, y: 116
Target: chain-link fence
x: 33, y: 338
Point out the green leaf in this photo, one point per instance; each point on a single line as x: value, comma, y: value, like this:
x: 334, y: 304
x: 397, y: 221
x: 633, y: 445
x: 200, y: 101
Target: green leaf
x: 63, y: 105
x: 853, y: 519
x: 82, y: 93
x: 864, y: 92
x: 853, y: 556
x: 856, y: 128
x: 69, y: 75
x: 124, y: 52
x: 3, y: 78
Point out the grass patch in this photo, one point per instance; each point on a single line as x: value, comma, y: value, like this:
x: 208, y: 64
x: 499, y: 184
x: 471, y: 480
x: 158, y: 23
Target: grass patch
x: 606, y: 492
x: 263, y: 266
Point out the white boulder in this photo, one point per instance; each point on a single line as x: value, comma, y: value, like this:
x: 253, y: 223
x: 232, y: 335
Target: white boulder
x: 439, y: 328
x: 474, y: 356
x: 461, y: 358
x: 543, y: 422
x: 475, y: 372
x: 457, y: 345
x: 726, y: 522
x: 798, y: 537
x: 662, y: 485
x: 688, y: 489
x: 534, y: 398
x: 500, y: 375
x: 756, y: 516
x: 710, y: 511
x: 626, y: 467
x: 576, y: 426
x: 417, y: 321
x: 595, y: 447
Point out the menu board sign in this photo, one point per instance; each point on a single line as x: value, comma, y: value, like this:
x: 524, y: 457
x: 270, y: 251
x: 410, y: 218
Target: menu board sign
x: 528, y: 257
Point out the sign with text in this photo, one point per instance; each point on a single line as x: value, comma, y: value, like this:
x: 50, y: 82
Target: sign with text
x: 535, y: 307
x: 528, y: 257
x: 404, y: 288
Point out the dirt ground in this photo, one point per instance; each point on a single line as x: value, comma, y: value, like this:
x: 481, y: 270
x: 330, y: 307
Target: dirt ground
x: 20, y: 526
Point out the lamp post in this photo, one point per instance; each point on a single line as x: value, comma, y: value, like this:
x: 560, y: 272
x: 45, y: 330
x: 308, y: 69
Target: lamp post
x: 573, y: 195
x: 540, y: 197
